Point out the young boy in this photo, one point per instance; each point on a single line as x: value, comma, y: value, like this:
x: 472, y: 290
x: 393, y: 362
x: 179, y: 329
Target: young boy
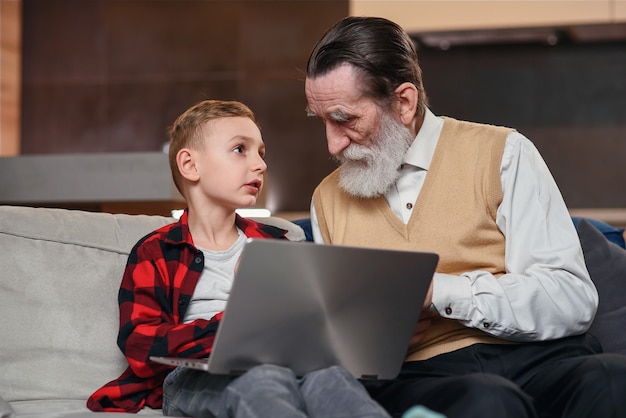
x: 178, y: 278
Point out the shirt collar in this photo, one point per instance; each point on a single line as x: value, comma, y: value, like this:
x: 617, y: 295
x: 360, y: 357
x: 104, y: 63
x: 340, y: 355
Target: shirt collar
x: 180, y: 234
x: 254, y: 229
x: 421, y: 151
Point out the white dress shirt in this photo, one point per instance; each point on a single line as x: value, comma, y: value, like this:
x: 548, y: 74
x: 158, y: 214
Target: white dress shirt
x: 546, y: 292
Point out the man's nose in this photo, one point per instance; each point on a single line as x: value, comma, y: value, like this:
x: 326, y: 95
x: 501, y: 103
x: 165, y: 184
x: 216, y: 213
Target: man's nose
x: 337, y: 140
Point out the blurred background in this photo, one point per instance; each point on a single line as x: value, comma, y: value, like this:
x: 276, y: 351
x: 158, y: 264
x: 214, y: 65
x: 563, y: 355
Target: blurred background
x: 106, y: 77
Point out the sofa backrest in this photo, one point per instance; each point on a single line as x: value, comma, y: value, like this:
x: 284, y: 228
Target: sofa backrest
x: 60, y: 272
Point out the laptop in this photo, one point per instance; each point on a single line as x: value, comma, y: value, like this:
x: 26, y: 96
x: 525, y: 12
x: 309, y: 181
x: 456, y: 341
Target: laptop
x: 309, y: 306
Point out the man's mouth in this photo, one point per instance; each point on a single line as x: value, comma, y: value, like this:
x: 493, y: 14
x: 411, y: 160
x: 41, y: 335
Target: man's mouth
x: 355, y: 155
x: 362, y: 162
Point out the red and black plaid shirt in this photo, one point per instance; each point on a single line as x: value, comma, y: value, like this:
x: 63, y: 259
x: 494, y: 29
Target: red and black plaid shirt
x: 161, y: 274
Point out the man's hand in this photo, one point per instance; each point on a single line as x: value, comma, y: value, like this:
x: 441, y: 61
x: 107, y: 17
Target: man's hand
x: 425, y: 319
x: 422, y: 325
x: 428, y: 300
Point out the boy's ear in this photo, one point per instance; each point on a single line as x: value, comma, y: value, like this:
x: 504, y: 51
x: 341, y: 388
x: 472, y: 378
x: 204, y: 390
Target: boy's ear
x: 187, y: 165
x: 407, y: 97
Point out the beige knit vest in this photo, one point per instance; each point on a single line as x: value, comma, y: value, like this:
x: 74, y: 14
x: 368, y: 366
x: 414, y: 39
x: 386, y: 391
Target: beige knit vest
x: 454, y: 216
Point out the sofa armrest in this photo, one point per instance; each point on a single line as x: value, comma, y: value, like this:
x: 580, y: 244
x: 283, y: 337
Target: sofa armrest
x: 5, y: 409
x: 294, y: 231
x: 606, y: 263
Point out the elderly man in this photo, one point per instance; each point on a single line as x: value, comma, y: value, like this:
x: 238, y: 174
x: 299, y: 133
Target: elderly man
x: 502, y: 332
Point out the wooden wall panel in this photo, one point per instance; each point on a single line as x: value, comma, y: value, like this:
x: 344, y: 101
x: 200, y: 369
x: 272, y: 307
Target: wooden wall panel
x: 297, y: 154
x: 569, y: 99
x: 111, y: 75
x: 10, y: 76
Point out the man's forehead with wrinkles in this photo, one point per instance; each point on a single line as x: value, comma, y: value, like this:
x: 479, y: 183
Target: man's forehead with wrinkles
x: 335, y: 95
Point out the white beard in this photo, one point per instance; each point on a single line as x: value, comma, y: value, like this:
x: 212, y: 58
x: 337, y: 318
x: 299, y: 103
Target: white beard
x: 369, y: 172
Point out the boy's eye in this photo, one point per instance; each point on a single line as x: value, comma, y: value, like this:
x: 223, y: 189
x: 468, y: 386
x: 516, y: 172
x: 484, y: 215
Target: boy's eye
x: 238, y: 149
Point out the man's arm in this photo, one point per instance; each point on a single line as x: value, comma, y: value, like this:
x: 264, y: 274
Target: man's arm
x: 547, y: 292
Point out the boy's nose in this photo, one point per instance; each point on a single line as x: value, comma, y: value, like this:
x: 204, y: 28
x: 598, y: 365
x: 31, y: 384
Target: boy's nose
x: 261, y: 164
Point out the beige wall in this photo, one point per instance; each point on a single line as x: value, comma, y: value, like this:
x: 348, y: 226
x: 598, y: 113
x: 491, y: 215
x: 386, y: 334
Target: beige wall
x: 619, y: 10
x: 433, y: 15
x: 10, y: 76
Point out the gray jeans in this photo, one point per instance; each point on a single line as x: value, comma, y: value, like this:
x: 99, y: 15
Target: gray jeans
x: 268, y: 391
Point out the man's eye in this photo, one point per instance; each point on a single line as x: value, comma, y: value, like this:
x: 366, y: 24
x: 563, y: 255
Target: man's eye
x: 342, y: 118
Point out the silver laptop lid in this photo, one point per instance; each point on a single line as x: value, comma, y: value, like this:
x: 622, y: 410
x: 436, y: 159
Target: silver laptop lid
x: 308, y: 306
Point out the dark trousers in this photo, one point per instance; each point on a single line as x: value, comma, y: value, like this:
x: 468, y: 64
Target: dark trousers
x: 567, y: 378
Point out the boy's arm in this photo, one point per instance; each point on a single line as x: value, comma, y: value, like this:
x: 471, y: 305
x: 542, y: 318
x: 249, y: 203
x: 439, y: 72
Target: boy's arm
x: 150, y: 322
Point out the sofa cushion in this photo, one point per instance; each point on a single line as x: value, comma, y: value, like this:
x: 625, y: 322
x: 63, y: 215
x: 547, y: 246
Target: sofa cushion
x: 70, y: 408
x: 610, y: 232
x: 59, y: 273
x: 606, y: 263
x: 6, y: 411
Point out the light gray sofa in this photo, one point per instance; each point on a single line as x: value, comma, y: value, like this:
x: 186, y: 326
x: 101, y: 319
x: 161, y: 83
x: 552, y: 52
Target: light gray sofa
x: 59, y: 275
x: 60, y: 271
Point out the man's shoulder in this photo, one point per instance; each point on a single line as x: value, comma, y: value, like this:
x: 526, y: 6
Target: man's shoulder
x: 327, y: 187
x: 330, y: 180
x: 453, y: 123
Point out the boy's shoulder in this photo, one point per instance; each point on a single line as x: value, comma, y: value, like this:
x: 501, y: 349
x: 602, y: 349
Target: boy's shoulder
x: 258, y: 229
x: 175, y: 232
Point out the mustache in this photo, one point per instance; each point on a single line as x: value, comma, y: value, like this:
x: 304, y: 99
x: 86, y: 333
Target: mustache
x: 356, y: 153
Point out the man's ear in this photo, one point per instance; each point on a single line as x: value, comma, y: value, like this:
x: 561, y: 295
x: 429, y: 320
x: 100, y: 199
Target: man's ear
x: 187, y: 165
x: 406, y: 103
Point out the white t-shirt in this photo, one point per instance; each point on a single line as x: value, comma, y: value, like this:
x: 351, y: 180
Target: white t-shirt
x: 213, y: 288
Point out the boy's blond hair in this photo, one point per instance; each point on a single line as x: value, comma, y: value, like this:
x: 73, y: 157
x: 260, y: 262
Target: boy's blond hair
x: 190, y: 129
